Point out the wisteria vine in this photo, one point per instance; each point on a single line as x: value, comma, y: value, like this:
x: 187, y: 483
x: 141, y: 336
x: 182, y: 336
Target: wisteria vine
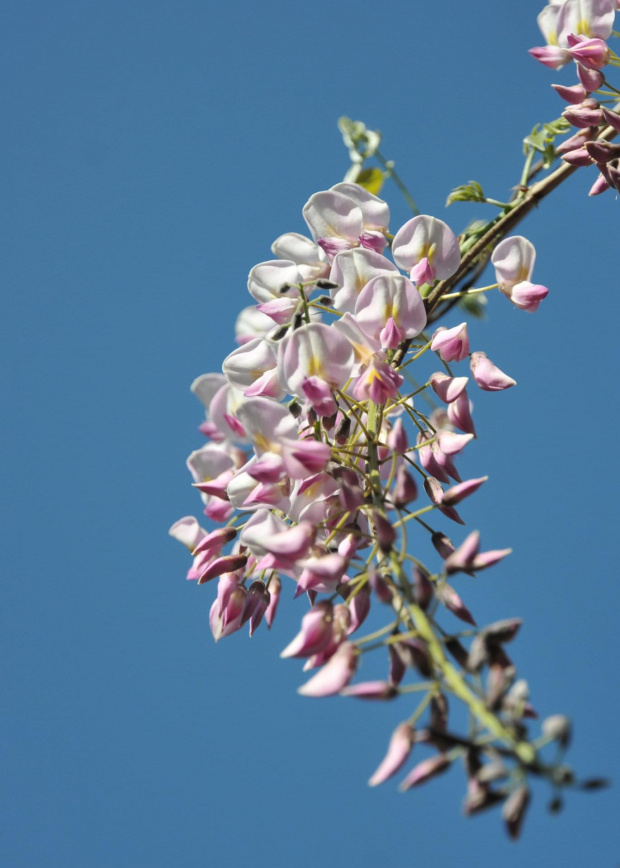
x: 320, y: 459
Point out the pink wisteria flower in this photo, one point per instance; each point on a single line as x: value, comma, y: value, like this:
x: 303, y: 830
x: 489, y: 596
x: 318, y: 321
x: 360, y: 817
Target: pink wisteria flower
x: 310, y: 259
x: 514, y: 260
x: 390, y: 309
x: 347, y: 216
x: 314, y: 360
x: 253, y: 369
x: 451, y: 344
x: 565, y: 24
x: 427, y: 248
x: 487, y: 375
x: 352, y: 270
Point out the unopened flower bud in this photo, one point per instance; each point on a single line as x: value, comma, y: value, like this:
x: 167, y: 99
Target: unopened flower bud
x: 451, y: 344
x: 397, y: 438
x: 397, y: 754
x: 443, y: 546
x: 279, y: 333
x: 423, y: 588
x: 514, y: 810
x: 586, y: 114
x: 591, y: 53
x: 502, y: 631
x: 558, y: 728
x: 435, y: 493
x: 458, y: 651
x: 351, y: 496
x: 462, y: 490
x: 225, y: 564
x: 555, y: 805
x: 576, y: 141
x: 439, y: 712
x: 591, y: 79
x: 599, y: 186
x: 594, y: 784
x: 613, y: 174
x: 574, y: 95
x: 424, y: 771
x: 498, y: 682
x: 215, y: 541
x: 397, y: 667
x: 405, y: 489
x: 256, y: 603
x: 328, y: 422
x: 226, y: 619
x: 294, y: 408
x: 492, y: 771
x: 515, y: 702
x: 487, y: 375
x: 359, y: 607
x: 479, y: 797
x: 612, y: 118
x: 275, y: 588
x: 371, y: 690
x: 415, y: 655
x: 380, y: 587
x: 459, y: 413
x: 451, y: 600
x: 450, y: 443
x: 334, y: 675
x: 447, y: 388
x: 603, y: 152
x: 343, y: 430
x: 315, y: 634
x: 386, y: 535
x: 579, y: 157
x: 478, y: 654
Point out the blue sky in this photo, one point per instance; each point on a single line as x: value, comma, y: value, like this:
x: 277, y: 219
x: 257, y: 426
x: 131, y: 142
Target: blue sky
x: 151, y: 154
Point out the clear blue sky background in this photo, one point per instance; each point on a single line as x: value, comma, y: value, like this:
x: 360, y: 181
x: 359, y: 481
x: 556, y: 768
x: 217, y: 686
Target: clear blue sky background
x: 151, y: 152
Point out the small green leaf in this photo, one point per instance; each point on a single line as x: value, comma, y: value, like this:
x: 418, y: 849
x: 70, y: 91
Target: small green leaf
x: 542, y: 136
x: 471, y: 192
x: 371, y: 179
x: 557, y: 127
x: 548, y: 155
x: 475, y: 305
x: 536, y: 139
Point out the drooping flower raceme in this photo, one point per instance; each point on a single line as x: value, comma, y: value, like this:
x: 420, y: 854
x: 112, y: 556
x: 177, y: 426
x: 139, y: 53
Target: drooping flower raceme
x: 314, y: 488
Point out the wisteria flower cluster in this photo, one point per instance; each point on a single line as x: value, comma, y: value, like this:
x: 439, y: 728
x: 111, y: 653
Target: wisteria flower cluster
x: 336, y: 427
x: 577, y: 31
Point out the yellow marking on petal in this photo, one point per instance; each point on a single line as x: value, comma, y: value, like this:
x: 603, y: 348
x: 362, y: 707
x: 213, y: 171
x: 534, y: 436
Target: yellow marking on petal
x: 430, y: 253
x: 315, y: 367
x: 363, y: 353
x: 313, y: 491
x: 261, y: 441
x: 552, y: 38
x: 583, y: 28
x: 524, y: 274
